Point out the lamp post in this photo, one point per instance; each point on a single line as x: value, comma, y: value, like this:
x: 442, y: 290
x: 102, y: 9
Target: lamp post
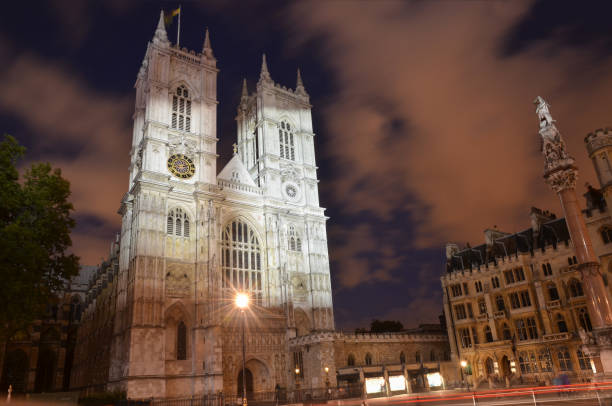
x: 463, y: 365
x: 242, y: 302
x: 297, y: 382
x: 327, y: 391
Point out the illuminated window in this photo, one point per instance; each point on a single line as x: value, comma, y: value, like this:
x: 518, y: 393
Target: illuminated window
x: 181, y: 110
x: 177, y: 223
x: 285, y: 140
x: 545, y: 361
x: 241, y: 260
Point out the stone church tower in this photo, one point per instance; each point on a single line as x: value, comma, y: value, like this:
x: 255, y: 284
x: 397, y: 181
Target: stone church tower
x: 191, y: 238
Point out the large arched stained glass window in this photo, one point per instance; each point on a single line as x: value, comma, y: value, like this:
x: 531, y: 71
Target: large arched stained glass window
x: 241, y: 260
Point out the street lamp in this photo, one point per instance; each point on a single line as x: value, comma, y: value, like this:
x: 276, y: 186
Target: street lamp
x: 463, y: 364
x: 327, y: 391
x: 242, y: 302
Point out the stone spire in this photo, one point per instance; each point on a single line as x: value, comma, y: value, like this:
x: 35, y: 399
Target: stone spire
x: 299, y: 87
x: 161, y: 37
x: 245, y: 90
x: 559, y: 170
x: 206, y: 48
x: 264, y: 76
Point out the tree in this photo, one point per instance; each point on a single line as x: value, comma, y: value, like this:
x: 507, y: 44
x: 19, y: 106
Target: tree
x: 386, y: 326
x: 35, y: 225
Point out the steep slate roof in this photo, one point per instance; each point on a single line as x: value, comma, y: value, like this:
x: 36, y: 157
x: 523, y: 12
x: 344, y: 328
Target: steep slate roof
x: 551, y: 233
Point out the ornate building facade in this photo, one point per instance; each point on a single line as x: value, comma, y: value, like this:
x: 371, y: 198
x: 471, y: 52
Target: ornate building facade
x: 192, y: 238
x: 516, y: 306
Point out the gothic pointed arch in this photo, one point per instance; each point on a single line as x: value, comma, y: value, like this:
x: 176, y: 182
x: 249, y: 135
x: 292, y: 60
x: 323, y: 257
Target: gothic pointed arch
x: 177, y: 323
x: 302, y: 322
x: 241, y: 260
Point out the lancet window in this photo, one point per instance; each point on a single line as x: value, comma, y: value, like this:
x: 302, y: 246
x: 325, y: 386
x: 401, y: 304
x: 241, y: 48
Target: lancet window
x: 178, y: 223
x: 181, y: 341
x: 286, y: 141
x: 241, y: 260
x: 295, y: 242
x: 181, y: 109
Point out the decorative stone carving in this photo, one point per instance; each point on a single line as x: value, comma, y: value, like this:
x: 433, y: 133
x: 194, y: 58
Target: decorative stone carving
x: 181, y: 145
x: 559, y: 170
x: 178, y: 280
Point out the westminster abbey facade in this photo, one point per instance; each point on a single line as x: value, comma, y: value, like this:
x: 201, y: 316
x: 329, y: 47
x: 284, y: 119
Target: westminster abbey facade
x: 191, y: 238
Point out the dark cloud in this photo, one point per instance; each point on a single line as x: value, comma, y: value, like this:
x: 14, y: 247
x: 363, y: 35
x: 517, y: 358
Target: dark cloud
x: 561, y: 24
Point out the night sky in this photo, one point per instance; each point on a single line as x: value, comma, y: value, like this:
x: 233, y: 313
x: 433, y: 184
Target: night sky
x: 425, y: 127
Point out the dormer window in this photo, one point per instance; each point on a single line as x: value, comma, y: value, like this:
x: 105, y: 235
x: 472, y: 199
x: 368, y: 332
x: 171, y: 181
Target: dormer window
x: 285, y: 140
x: 181, y: 109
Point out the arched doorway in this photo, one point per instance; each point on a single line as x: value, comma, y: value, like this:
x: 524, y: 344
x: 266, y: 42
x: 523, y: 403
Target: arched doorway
x: 45, y: 370
x: 505, y: 366
x: 249, y: 382
x: 14, y: 371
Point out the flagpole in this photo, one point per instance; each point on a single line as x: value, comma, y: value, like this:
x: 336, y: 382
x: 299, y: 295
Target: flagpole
x: 178, y: 31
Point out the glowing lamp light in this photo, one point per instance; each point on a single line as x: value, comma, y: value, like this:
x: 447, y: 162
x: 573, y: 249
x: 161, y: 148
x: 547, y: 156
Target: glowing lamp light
x: 463, y: 363
x: 297, y: 371
x: 326, y: 369
x: 242, y: 300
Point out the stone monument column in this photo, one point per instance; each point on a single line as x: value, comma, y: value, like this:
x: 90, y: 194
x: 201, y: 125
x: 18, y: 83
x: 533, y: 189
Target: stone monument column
x: 560, y: 173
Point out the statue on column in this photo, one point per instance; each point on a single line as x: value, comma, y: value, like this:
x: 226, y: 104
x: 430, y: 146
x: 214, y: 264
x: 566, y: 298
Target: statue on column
x: 559, y: 170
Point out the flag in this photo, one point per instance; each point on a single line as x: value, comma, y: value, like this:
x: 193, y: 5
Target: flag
x: 170, y: 16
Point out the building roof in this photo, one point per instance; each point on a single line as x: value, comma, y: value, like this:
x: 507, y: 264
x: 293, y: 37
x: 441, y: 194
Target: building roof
x: 550, y: 233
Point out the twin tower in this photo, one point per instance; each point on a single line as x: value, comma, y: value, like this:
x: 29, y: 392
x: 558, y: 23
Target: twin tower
x: 191, y: 238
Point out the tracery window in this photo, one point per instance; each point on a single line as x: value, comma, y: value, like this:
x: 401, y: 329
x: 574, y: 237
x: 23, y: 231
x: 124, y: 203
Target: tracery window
x: 478, y: 286
x: 466, y: 340
x: 181, y: 109
x: 584, y: 360
x: 565, y: 363
x: 606, y: 235
x: 495, y: 282
x: 553, y: 293
x: 178, y: 223
x: 575, y: 288
x: 285, y: 140
x: 584, y: 319
x: 499, y: 300
x: 527, y: 362
x: 241, y: 260
x: 488, y: 335
x: 547, y: 269
x: 295, y: 242
x: 181, y: 341
x: 561, y: 325
x: 545, y: 361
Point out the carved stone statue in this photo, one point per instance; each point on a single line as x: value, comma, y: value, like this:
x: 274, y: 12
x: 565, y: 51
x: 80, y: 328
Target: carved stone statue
x: 543, y: 112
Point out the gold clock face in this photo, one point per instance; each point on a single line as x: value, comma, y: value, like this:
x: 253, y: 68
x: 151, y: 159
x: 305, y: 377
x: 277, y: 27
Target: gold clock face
x: 181, y: 166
